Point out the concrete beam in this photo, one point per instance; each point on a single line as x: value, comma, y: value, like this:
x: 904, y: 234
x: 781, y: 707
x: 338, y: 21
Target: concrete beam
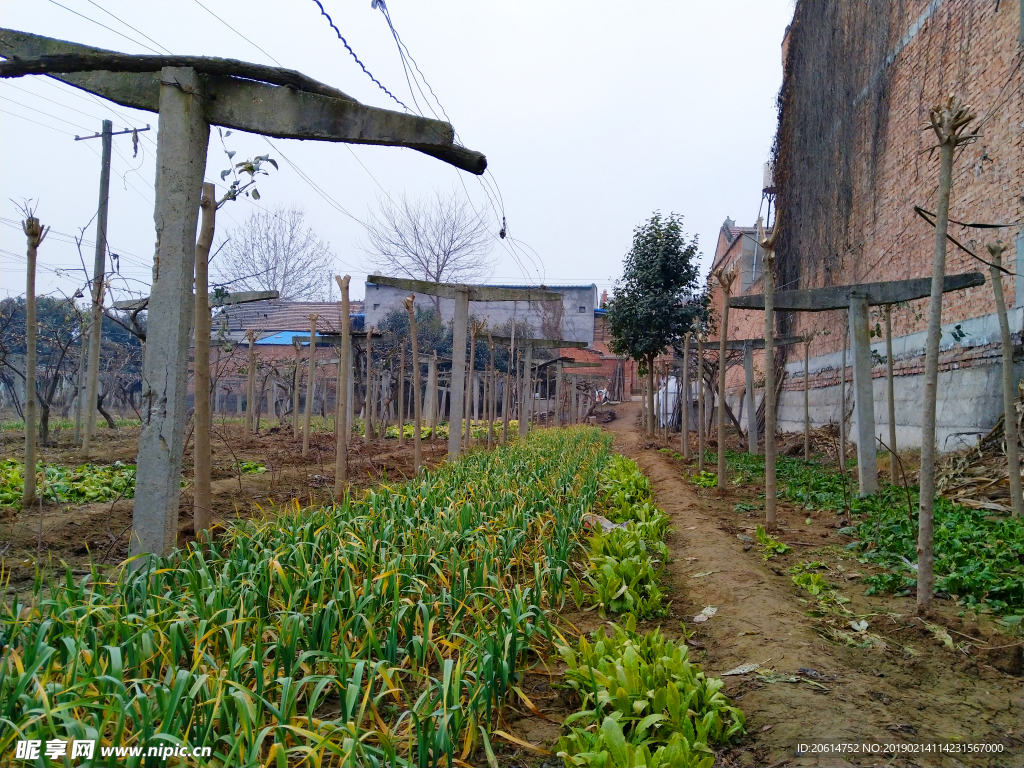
x: 242, y: 297
x: 476, y: 292
x: 180, y: 166
x: 838, y: 297
x: 317, y: 112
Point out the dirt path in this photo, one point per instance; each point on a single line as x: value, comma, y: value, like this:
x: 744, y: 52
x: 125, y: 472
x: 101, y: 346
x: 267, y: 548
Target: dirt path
x: 860, y: 695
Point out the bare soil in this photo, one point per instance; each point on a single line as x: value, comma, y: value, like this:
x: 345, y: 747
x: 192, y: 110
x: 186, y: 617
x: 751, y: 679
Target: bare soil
x: 78, y: 534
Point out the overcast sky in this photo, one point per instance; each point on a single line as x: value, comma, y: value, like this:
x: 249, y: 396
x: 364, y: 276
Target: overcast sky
x: 592, y: 115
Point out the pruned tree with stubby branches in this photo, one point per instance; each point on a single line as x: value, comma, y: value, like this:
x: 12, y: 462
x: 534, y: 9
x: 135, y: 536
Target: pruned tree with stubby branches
x: 658, y: 298
x: 438, y: 238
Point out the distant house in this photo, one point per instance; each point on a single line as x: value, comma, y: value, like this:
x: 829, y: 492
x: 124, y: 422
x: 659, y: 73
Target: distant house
x: 572, y: 319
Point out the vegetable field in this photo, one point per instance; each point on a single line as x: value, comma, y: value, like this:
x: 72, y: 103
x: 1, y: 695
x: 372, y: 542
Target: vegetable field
x: 386, y: 629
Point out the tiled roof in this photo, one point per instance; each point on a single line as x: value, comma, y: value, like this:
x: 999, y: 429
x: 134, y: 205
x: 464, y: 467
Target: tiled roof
x: 273, y: 316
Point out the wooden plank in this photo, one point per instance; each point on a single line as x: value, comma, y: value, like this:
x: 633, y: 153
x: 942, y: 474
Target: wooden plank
x: 476, y: 292
x: 838, y: 297
x: 242, y: 297
x: 297, y: 107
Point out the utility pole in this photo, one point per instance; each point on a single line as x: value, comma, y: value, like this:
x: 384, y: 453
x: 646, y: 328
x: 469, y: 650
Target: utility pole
x: 98, y: 273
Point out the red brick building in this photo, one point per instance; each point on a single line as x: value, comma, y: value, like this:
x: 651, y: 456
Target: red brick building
x: 852, y: 162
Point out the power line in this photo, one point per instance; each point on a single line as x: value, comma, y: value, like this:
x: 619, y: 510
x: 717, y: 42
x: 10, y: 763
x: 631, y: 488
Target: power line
x: 111, y: 29
x: 218, y: 18
x: 36, y: 122
x: 133, y: 29
x: 47, y: 114
x: 349, y: 49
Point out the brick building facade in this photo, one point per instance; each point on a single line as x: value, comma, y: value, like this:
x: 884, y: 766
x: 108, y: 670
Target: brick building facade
x: 847, y: 194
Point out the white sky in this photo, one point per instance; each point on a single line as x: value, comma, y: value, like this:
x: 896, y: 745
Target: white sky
x: 592, y: 115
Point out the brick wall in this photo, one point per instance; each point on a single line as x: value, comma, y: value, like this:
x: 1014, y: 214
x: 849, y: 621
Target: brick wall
x: 972, y: 50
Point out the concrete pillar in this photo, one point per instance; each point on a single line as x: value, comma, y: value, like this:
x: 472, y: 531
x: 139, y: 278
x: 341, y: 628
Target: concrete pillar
x: 180, y: 165
x: 430, y: 407
x: 527, y: 391
x: 558, y: 393
x: 751, y: 405
x: 218, y: 404
x: 867, y: 461
x: 460, y: 328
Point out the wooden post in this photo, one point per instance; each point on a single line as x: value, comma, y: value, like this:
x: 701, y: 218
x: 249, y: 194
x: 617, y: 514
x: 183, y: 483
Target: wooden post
x: 491, y: 394
x: 1009, y: 381
x: 700, y: 402
x: 808, y: 337
x: 98, y: 285
x: 297, y: 381
x: 890, y: 395
x: 410, y: 307
x: 460, y: 327
x: 401, y: 392
x: 949, y: 121
x: 867, y: 455
x: 250, y: 387
x: 35, y: 233
x: 181, y: 163
x: 684, y: 437
x: 769, y: 375
x: 725, y: 280
x: 341, y: 424
x: 202, y: 507
x: 310, y: 386
x: 368, y: 403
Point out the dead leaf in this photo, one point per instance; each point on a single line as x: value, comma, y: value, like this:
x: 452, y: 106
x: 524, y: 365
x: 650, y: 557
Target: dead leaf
x: 767, y: 727
x: 744, y: 669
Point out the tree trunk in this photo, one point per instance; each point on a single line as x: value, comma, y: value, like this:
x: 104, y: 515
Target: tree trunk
x: 368, y: 407
x: 684, y: 431
x: 650, y: 395
x: 401, y: 396
x: 925, y: 560
x: 722, y: 351
x: 202, y: 508
x: 491, y: 399
x: 34, y: 233
x: 1009, y: 383
x: 250, y: 387
x: 700, y: 402
x: 769, y: 391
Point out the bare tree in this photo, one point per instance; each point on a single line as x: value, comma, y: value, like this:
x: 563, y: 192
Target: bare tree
x: 440, y: 238
x: 276, y: 251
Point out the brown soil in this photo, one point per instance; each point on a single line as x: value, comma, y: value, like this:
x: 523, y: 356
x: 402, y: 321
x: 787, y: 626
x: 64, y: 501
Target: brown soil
x: 82, y: 533
x: 846, y: 694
